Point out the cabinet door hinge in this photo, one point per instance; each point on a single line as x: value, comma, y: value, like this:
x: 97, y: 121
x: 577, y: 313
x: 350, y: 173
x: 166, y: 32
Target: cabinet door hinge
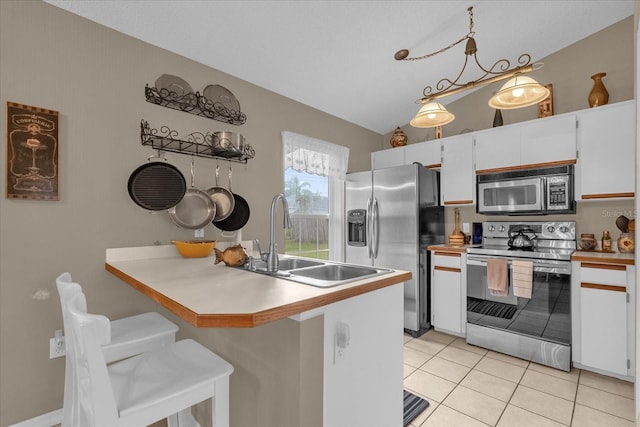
x: 577, y: 154
x: 627, y: 296
x: 628, y: 364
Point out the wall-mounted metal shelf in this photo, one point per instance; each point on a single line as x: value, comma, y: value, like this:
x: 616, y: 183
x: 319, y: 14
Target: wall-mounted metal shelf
x: 194, y: 103
x: 196, y: 143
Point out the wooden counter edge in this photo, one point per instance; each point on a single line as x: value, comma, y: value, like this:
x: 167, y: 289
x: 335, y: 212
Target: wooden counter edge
x: 581, y: 256
x: 250, y: 320
x: 445, y: 248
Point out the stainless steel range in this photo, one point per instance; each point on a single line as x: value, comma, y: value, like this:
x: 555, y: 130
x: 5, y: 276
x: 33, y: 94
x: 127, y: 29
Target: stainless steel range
x: 519, y: 290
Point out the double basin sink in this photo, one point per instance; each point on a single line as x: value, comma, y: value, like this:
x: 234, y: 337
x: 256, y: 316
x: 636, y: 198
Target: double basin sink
x: 320, y: 273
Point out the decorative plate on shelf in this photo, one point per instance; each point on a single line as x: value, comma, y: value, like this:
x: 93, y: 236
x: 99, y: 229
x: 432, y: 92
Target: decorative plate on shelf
x: 217, y: 94
x: 174, y: 85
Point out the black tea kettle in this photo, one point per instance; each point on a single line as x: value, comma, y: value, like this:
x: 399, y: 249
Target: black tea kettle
x: 521, y: 239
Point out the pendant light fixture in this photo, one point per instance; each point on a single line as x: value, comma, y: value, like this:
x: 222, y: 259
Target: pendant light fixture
x: 431, y: 115
x: 520, y: 91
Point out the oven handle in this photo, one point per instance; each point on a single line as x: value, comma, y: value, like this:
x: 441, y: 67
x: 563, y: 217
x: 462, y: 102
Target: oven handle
x: 542, y: 266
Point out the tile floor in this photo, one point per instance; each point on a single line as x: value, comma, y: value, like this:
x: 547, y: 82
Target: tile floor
x: 469, y: 386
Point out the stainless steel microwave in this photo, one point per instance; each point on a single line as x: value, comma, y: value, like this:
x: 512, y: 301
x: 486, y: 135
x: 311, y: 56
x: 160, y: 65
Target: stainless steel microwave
x: 527, y: 192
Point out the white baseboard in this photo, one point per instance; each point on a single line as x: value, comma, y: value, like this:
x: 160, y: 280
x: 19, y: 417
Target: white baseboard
x: 49, y: 419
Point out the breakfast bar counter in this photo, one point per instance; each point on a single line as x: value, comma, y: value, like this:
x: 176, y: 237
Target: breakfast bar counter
x: 302, y: 355
x: 214, y: 295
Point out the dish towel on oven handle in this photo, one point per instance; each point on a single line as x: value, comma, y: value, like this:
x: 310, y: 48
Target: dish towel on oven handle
x: 497, y: 277
x: 522, y: 277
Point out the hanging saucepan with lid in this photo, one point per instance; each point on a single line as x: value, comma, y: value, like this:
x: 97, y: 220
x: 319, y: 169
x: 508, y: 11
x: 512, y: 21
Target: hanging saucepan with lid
x: 156, y: 186
x: 195, y: 210
x: 240, y: 215
x: 222, y: 198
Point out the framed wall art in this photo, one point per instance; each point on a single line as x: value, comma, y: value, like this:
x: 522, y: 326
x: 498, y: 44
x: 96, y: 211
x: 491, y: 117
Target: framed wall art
x: 32, y: 153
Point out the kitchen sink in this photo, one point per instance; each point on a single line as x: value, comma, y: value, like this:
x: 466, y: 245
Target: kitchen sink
x: 332, y: 272
x: 323, y: 274
x: 293, y: 263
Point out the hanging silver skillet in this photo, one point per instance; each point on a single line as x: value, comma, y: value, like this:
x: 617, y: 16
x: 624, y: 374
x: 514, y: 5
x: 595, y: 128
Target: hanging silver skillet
x: 222, y: 198
x: 156, y: 186
x: 195, y: 210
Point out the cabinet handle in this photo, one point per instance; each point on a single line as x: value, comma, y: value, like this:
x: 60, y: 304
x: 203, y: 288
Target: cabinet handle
x: 615, y: 267
x: 452, y: 269
x: 610, y: 288
x: 455, y: 254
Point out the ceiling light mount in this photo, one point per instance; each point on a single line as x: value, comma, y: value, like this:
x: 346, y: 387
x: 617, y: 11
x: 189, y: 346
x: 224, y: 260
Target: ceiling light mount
x: 511, y: 94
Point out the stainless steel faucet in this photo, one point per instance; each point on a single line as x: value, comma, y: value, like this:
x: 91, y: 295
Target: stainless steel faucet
x: 272, y: 257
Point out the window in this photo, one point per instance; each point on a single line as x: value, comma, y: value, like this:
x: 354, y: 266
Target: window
x: 314, y: 173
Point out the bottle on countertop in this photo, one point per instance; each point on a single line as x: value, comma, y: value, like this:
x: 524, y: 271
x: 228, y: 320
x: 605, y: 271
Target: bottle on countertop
x: 606, y: 242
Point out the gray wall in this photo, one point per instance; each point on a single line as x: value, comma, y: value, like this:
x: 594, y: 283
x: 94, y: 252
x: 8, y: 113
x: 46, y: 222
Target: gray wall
x: 95, y: 78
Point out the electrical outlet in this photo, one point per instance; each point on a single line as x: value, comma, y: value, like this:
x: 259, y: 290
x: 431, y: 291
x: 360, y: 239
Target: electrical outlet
x: 57, y: 346
x: 199, y: 233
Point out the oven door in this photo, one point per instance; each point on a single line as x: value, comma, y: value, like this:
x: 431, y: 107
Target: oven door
x: 510, y: 196
x: 546, y: 315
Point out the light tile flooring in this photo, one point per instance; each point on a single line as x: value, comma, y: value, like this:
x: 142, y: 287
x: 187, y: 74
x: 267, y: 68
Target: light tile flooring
x: 469, y: 386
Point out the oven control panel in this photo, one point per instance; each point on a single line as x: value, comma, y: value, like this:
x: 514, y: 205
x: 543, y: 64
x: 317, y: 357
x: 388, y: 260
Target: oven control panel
x: 548, y: 230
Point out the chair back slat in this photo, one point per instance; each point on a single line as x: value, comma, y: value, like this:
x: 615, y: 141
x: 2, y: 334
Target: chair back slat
x: 95, y: 400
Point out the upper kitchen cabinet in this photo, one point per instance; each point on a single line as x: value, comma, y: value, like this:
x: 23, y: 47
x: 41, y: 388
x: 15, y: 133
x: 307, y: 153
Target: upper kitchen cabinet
x: 457, y: 177
x: 427, y: 153
x: 606, y: 144
x: 388, y: 158
x: 498, y: 147
x: 537, y: 143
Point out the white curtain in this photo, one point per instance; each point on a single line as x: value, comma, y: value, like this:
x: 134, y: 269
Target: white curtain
x: 311, y: 155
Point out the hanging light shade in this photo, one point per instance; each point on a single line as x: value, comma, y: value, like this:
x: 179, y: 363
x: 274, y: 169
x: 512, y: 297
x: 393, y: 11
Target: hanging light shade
x: 520, y: 91
x: 431, y: 115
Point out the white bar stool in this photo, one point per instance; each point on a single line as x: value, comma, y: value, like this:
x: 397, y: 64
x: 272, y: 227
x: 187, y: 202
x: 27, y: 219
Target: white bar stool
x: 129, y: 336
x: 142, y: 389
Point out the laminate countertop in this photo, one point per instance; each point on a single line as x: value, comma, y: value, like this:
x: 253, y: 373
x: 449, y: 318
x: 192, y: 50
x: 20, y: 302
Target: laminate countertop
x: 214, y: 295
x: 606, y: 257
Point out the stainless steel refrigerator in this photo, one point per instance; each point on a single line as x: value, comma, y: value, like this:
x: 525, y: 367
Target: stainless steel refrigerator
x: 393, y: 214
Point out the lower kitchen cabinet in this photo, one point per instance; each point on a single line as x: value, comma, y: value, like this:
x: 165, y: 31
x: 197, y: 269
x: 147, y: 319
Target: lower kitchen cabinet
x: 603, y: 317
x: 448, y: 292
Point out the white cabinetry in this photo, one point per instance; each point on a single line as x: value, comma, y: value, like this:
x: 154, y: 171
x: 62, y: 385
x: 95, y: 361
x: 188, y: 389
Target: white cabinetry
x: 388, y: 158
x: 427, y: 153
x: 448, y: 292
x: 457, y: 177
x: 498, y: 147
x: 536, y: 143
x: 606, y: 143
x: 603, y: 317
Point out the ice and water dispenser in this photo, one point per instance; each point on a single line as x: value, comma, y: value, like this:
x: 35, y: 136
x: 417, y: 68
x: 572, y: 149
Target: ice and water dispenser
x: 357, y: 226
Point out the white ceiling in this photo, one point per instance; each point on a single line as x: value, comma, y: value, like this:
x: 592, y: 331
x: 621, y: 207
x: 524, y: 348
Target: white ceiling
x: 337, y: 56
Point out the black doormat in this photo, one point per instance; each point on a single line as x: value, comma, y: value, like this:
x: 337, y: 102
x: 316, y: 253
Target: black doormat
x: 413, y: 406
x: 491, y: 308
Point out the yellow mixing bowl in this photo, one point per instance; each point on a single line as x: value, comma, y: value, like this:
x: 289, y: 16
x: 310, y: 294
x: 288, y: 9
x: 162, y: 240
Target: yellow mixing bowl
x: 195, y: 248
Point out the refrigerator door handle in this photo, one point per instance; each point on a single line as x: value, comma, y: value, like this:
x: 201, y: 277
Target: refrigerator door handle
x: 368, y: 229
x: 375, y: 224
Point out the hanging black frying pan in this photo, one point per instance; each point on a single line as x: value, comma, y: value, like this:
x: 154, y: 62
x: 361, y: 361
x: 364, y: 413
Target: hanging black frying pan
x: 238, y: 217
x: 195, y: 210
x: 157, y: 186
